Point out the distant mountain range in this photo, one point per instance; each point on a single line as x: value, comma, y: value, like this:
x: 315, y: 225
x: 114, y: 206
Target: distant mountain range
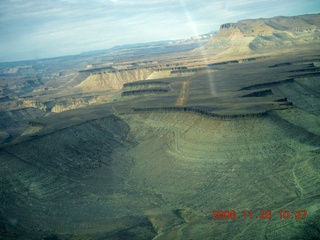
x: 194, y: 39
x: 249, y: 36
x: 265, y: 34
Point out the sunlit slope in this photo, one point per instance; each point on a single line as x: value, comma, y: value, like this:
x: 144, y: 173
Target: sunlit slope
x: 265, y: 34
x: 113, y: 80
x: 103, y: 81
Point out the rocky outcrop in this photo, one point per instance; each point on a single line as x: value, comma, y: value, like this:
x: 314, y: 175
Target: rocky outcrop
x: 144, y: 92
x: 280, y: 65
x: 315, y: 74
x: 230, y: 40
x: 15, y: 122
x: 206, y: 112
x: 74, y: 103
x: 259, y: 93
x: 281, y: 100
x: 44, y: 106
x: 188, y: 70
x: 307, y: 69
x: 268, y: 84
x: 101, y: 81
x: 233, y: 61
x: 98, y: 70
x: 144, y: 84
x: 222, y: 63
x: 64, y: 104
x: 265, y: 34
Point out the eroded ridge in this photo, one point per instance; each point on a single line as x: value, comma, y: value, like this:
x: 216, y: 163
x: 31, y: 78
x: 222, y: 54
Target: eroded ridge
x: 201, y: 111
x: 268, y: 84
x: 144, y: 84
x: 144, y: 91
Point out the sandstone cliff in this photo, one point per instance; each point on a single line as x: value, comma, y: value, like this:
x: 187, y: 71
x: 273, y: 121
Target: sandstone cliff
x: 102, y: 81
x: 265, y: 34
x: 74, y: 103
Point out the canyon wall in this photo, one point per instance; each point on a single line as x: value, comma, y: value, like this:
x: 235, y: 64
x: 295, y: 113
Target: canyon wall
x: 102, y: 81
x: 259, y: 35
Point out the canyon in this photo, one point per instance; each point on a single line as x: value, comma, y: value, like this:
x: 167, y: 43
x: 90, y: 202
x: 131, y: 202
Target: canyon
x: 141, y: 145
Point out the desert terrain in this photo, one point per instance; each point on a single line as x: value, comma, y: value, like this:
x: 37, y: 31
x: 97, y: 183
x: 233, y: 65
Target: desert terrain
x: 146, y: 142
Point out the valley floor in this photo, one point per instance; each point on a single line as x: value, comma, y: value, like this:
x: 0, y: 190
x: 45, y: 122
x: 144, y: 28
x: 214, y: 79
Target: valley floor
x: 160, y: 164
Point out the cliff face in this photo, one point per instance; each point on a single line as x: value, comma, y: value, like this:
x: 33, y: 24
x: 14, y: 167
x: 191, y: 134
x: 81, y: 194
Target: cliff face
x: 251, y: 36
x: 68, y: 104
x: 13, y: 123
x: 113, y: 80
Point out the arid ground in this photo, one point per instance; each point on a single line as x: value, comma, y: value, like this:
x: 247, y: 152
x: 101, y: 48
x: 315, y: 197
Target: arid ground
x: 152, y: 149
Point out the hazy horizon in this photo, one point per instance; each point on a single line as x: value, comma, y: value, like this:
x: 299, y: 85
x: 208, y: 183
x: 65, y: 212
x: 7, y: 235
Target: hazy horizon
x: 42, y: 29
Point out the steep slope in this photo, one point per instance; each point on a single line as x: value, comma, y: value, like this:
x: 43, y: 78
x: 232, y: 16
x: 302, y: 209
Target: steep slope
x: 14, y: 122
x: 113, y: 80
x: 161, y: 175
x: 102, y: 81
x: 261, y: 35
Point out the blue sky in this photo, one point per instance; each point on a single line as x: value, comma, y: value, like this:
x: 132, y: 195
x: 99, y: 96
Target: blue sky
x: 32, y: 29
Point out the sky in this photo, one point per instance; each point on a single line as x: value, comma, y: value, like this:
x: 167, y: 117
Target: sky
x: 33, y: 29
